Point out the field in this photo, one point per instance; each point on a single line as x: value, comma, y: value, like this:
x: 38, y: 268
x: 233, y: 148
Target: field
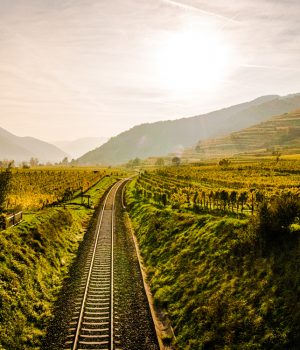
x: 33, y: 189
x: 237, y: 187
x: 221, y: 249
x: 220, y: 244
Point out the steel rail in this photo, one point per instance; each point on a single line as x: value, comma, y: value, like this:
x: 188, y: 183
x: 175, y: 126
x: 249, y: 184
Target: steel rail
x: 83, y: 303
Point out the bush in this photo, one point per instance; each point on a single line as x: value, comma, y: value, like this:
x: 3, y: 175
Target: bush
x: 224, y: 162
x: 275, y: 218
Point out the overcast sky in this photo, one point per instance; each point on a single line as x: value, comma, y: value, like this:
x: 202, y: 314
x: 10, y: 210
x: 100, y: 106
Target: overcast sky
x: 76, y: 68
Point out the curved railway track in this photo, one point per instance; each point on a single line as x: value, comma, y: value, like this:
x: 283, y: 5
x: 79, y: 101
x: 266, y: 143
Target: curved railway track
x: 93, y: 319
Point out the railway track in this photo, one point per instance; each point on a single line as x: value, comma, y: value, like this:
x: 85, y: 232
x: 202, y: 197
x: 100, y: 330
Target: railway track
x: 93, y: 321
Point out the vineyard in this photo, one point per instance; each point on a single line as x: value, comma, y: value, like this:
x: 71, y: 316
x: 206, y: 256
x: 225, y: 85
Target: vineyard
x: 37, y: 188
x: 238, y: 188
x: 37, y: 254
x: 225, y: 278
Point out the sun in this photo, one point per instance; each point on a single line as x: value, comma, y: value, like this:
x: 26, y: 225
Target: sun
x: 193, y: 60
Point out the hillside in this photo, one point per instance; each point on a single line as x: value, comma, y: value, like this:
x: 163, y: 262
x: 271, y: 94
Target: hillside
x: 17, y: 148
x: 78, y: 147
x: 161, y: 138
x: 280, y: 132
x: 208, y: 275
x: 222, y: 264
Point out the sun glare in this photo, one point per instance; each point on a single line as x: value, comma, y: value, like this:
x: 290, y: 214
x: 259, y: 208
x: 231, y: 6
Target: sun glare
x: 193, y: 60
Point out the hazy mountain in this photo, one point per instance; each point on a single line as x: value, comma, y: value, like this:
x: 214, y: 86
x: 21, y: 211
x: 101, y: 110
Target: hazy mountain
x: 172, y: 136
x: 278, y: 133
x: 17, y: 148
x: 77, y: 148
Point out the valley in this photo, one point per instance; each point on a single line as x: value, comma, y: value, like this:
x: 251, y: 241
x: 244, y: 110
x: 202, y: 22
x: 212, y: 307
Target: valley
x: 149, y: 175
x: 218, y: 244
x: 216, y: 224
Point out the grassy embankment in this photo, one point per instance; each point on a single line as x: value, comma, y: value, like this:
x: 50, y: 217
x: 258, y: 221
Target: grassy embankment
x: 222, y: 286
x: 34, y: 259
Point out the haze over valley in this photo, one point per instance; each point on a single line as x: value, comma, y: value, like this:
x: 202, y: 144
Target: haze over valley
x: 77, y: 148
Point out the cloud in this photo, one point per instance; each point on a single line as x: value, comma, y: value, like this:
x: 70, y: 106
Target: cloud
x: 255, y: 66
x: 195, y: 8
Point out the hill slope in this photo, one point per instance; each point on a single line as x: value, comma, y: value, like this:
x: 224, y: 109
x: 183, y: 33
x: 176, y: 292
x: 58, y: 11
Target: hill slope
x: 17, y: 148
x: 278, y: 132
x: 160, y: 138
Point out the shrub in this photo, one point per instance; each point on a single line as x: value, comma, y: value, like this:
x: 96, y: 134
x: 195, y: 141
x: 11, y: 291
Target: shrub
x: 275, y: 218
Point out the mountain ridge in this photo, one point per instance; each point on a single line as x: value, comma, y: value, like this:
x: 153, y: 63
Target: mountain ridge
x: 173, y: 136
x: 22, y: 148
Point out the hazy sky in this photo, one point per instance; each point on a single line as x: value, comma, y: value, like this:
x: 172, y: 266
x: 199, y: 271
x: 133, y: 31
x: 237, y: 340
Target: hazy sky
x: 75, y: 68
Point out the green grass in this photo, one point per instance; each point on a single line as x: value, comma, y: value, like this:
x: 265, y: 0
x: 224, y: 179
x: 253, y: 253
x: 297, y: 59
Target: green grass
x: 34, y: 256
x: 95, y: 191
x: 218, y: 288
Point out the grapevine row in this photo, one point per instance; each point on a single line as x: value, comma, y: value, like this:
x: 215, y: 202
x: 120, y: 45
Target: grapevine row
x: 34, y: 189
x: 191, y: 187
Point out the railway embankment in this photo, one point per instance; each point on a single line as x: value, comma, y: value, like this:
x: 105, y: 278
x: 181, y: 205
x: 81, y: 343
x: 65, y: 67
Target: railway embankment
x: 135, y: 320
x: 35, y: 256
x: 216, y: 281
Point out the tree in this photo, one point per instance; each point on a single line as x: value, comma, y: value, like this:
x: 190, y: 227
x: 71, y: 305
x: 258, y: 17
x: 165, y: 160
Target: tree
x: 216, y: 199
x: 274, y: 218
x: 176, y: 161
x: 196, y: 198
x: 160, y: 162
x: 233, y: 199
x: 65, y: 161
x: 277, y: 155
x: 196, y: 202
x: 198, y: 148
x: 68, y: 194
x: 210, y: 198
x: 203, y: 196
x: 252, y: 191
x: 5, y: 177
x: 25, y: 165
x: 224, y: 163
x: 242, y: 199
x: 224, y: 197
x: 164, y: 199
x: 259, y: 197
x: 33, y: 162
x: 6, y: 163
x: 136, y: 162
x: 133, y: 162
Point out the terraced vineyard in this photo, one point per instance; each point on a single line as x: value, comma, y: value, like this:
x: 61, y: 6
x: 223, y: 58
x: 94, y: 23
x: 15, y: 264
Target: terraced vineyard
x: 278, y: 132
